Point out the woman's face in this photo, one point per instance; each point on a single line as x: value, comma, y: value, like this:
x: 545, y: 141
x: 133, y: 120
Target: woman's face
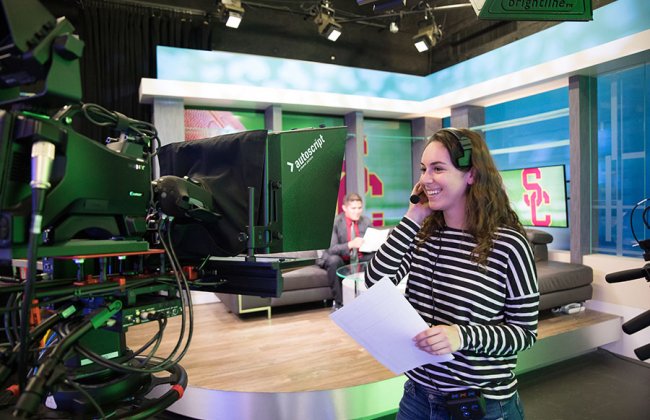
x: 444, y: 184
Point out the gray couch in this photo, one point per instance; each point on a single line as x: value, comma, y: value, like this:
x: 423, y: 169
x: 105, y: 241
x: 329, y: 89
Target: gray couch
x: 559, y: 283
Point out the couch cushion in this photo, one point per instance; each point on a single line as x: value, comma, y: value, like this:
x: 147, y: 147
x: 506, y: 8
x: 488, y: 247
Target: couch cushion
x: 563, y: 297
x: 305, y: 278
x: 295, y: 254
x: 554, y: 276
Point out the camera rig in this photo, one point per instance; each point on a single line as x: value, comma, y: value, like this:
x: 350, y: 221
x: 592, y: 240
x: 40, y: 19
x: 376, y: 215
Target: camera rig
x: 91, y: 245
x: 643, y: 320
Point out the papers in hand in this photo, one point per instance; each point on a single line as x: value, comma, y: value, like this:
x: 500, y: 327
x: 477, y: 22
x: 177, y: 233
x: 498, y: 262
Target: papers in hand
x: 384, y: 323
x: 373, y: 238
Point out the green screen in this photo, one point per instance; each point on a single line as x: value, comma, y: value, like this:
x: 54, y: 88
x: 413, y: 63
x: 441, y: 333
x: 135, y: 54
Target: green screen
x: 292, y: 121
x: 387, y: 159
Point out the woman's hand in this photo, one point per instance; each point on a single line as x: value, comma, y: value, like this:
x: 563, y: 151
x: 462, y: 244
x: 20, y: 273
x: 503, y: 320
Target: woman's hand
x: 439, y: 339
x: 420, y: 211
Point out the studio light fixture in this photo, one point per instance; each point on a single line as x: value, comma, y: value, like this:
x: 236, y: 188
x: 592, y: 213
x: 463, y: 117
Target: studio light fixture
x: 231, y: 12
x: 428, y: 35
x: 327, y: 25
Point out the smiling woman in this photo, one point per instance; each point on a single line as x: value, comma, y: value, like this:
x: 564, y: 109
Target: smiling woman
x: 472, y: 278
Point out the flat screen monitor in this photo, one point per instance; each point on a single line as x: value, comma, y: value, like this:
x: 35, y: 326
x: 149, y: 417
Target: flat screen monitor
x: 538, y: 195
x: 294, y: 175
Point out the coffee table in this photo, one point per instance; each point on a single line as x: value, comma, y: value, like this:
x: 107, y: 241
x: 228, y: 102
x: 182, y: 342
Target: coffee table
x: 353, y: 280
x: 354, y: 284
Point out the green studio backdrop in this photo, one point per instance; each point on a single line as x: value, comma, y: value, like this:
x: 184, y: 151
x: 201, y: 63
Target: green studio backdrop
x: 387, y: 161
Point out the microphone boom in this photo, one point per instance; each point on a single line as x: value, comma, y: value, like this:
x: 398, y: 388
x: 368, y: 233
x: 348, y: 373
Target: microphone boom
x: 415, y: 199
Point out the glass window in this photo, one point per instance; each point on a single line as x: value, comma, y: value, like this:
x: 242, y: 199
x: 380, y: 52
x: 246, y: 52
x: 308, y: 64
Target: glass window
x: 622, y: 149
x: 532, y: 132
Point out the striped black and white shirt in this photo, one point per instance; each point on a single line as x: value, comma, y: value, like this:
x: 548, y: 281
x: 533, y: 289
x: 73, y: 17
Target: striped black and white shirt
x: 495, y: 307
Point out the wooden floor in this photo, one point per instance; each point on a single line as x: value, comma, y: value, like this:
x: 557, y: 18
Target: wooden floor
x: 294, y: 351
x: 551, y: 325
x: 300, y: 350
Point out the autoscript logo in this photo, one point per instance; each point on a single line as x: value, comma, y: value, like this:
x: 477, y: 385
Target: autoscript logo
x: 307, y: 155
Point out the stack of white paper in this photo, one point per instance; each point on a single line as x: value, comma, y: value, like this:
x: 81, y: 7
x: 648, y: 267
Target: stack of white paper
x: 373, y: 239
x: 384, y: 323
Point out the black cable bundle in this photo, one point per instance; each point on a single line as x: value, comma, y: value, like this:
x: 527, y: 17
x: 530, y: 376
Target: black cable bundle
x: 102, y: 117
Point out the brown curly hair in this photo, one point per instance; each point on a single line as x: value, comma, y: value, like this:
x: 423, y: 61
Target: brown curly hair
x: 487, y: 206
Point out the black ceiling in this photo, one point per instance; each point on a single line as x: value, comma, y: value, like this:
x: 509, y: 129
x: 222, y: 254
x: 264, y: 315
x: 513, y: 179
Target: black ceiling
x: 285, y: 28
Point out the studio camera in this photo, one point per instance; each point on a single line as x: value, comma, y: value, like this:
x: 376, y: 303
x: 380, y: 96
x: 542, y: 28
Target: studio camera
x: 92, y: 244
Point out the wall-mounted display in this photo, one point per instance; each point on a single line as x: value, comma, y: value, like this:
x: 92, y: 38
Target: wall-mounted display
x: 538, y: 195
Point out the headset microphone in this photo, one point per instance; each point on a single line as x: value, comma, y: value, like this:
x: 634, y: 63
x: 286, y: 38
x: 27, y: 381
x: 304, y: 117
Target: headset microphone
x: 465, y: 160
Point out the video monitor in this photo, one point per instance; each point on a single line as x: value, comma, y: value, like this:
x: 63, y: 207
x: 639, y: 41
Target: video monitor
x: 538, y: 195
x: 292, y: 177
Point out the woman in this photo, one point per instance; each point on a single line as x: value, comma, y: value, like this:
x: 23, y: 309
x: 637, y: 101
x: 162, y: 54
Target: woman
x: 471, y: 276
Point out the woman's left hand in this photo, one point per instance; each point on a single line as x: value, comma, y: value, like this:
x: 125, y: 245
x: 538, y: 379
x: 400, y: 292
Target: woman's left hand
x: 420, y: 211
x: 439, y: 339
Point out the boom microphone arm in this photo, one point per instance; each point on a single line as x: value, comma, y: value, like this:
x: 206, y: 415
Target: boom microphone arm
x: 625, y: 275
x: 637, y: 323
x: 641, y: 321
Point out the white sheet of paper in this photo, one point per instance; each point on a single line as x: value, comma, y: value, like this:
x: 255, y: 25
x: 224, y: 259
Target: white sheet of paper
x: 384, y: 323
x: 373, y: 239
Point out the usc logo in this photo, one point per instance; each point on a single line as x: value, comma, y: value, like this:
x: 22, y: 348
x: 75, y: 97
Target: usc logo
x: 535, y: 196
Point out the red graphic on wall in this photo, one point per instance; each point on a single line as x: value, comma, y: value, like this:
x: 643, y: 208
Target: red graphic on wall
x: 373, y: 186
x: 373, y: 183
x: 377, y: 218
x: 536, y: 195
x: 203, y: 123
x: 342, y: 190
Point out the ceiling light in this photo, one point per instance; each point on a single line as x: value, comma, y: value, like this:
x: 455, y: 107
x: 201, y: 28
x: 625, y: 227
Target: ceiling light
x: 231, y: 12
x: 327, y: 25
x: 427, y: 37
x: 330, y: 30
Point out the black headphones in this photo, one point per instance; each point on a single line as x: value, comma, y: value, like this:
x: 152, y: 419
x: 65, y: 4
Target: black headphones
x: 464, y: 161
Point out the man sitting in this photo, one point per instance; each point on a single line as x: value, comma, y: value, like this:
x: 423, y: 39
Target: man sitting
x: 347, y: 238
